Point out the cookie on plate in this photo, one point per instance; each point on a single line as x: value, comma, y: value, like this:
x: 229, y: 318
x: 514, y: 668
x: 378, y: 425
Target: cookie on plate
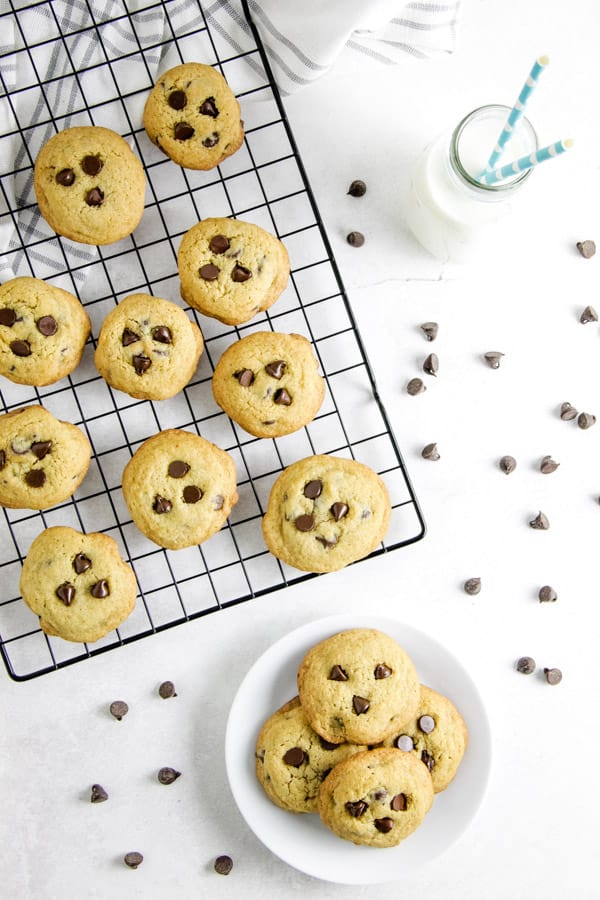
x: 192, y: 115
x: 179, y: 488
x: 77, y: 583
x: 292, y: 760
x: 89, y: 185
x: 325, y: 512
x: 268, y: 383
x: 436, y: 734
x: 231, y: 270
x: 378, y: 797
x: 43, y: 330
x: 148, y: 347
x: 42, y: 459
x: 358, y: 685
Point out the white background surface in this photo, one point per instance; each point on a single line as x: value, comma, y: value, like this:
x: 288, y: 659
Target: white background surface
x: 535, y: 835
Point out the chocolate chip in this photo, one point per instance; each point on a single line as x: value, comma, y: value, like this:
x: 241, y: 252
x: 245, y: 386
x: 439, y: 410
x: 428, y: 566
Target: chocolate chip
x: 141, y: 363
x: 91, y: 165
x: 178, y: 468
x: 339, y: 510
x: 40, y: 449
x: 245, y: 377
x: 547, y: 594
x: 492, y: 358
x: 584, y: 420
x: 426, y: 723
x: 384, y: 825
x: 304, y: 523
x: 65, y: 592
x: 133, y: 859
x: 183, y: 131
x: 177, y: 99
x: 2, y: 458
x: 507, y: 464
x: 327, y: 745
x: 118, y: 709
x: 211, y: 141
x: 208, y: 272
x: 380, y: 794
x: 327, y: 542
x: 276, y: 369
x: 356, y: 808
x: 548, y: 465
x: 472, y: 586
x: 398, y: 803
x: 98, y: 794
x: 81, y: 563
x: 192, y: 493
x: 525, y: 665
x: 360, y: 705
x: 586, y: 248
x: 167, y: 775
x: 404, y: 742
x: 295, y: 756
x: 240, y: 273
x: 35, y: 478
x: 47, y: 325
x: 553, y: 676
x: 428, y: 759
x: 357, y: 188
x: 282, y: 397
x: 567, y: 412
x: 540, y: 522
x: 209, y: 108
x: 95, y: 197
x: 20, y: 348
x: 223, y: 865
x: 312, y: 489
x: 430, y: 330
x: 355, y: 239
x: 415, y: 386
x: 100, y: 589
x: 430, y: 451
x: 431, y: 364
x: 337, y: 674
x: 162, y: 334
x: 66, y: 177
x: 166, y: 690
x: 382, y: 671
x: 219, y: 244
x: 8, y: 317
x: 161, y: 505
x: 589, y: 314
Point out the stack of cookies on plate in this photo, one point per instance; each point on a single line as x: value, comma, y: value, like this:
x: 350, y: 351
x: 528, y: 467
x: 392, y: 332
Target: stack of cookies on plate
x: 364, y: 744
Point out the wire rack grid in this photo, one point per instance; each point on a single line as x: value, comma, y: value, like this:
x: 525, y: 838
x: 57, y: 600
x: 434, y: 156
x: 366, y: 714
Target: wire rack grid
x: 64, y: 64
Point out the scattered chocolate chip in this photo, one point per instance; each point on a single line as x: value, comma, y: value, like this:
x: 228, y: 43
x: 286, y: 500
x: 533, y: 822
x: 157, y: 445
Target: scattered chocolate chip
x: 589, y: 314
x: 472, y: 586
x: 430, y: 330
x: 211, y: 141
x: 295, y: 756
x: 567, y: 412
x: 65, y: 593
x: 118, y: 709
x: 133, y: 859
x: 356, y: 808
x: 2, y: 458
x: 245, y: 377
x: 357, y: 188
x: 81, y: 563
x: 162, y: 334
x: 91, y: 165
x: 240, y: 273
x: 161, y: 505
x: 166, y: 690
x: 431, y: 364
x: 223, y: 865
x: 547, y: 594
x: 98, y: 794
x: 183, y: 131
x: 312, y: 489
x: 324, y: 774
x: 129, y: 337
x: 209, y: 108
x: 540, y: 522
x: 326, y: 542
x: 381, y: 671
x: 415, y: 386
x: 177, y: 99
x: 337, y: 674
x: 95, y: 197
x: 209, y: 272
x: 404, y: 742
x: 167, y: 775
x: 426, y: 723
x: 40, y: 449
x: 548, y: 465
x: 219, y: 244
x: 35, y: 478
x: 282, y: 397
x: 507, y: 464
x: 398, y: 803
x: 276, y: 369
x: 327, y: 745
x: 8, y: 317
x: 355, y: 239
x: 100, y: 589
x: 586, y: 420
x: 47, y: 325
x: 525, y: 665
x: 66, y: 177
x: 360, y: 705
x: 384, y: 825
x: 178, y: 468
x: 20, y: 348
x: 192, y: 493
x: 553, y: 676
x: 141, y: 363
x: 380, y: 794
x: 586, y: 248
x: 304, y: 523
x: 339, y: 510
x: 430, y: 451
x: 492, y: 358
x: 428, y: 759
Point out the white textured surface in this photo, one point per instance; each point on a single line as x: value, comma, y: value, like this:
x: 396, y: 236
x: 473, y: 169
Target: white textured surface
x: 535, y: 835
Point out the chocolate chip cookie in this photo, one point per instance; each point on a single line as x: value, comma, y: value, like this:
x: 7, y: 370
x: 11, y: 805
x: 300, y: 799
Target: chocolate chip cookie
x: 89, y: 185
x: 436, y: 734
x: 268, y: 383
x: 378, y: 797
x: 231, y: 270
x: 43, y: 330
x: 292, y: 760
x: 359, y: 686
x: 192, y: 115
x: 148, y: 348
x: 179, y: 488
x: 325, y: 512
x: 77, y: 584
x: 42, y: 460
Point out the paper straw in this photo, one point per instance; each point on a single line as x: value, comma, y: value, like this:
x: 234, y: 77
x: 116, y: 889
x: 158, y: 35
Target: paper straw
x: 518, y: 109
x: 526, y: 162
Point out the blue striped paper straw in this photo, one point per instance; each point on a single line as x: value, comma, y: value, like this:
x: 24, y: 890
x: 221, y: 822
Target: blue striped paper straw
x: 518, y: 109
x: 526, y: 162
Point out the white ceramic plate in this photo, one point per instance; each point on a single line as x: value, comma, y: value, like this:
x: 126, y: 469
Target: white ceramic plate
x: 302, y: 840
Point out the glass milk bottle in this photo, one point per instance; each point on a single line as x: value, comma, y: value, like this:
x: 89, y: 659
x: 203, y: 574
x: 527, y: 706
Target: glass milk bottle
x: 448, y: 210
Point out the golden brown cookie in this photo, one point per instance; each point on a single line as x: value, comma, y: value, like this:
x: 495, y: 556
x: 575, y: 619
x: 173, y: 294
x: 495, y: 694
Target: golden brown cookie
x: 89, y: 185
x: 148, y: 348
x: 193, y: 116
x: 231, y: 270
x: 77, y: 584
x: 43, y: 331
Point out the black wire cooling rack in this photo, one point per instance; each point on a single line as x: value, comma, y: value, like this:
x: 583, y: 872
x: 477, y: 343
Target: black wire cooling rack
x: 86, y: 62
